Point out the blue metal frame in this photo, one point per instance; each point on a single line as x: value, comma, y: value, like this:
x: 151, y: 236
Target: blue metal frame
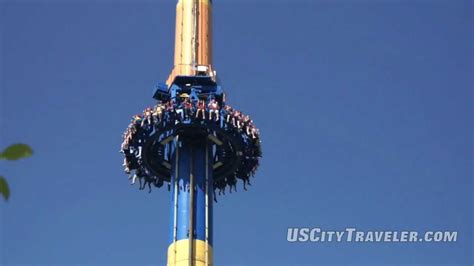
x: 185, y: 151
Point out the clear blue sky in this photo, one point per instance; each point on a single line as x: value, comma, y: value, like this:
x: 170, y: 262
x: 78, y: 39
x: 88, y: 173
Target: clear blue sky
x: 365, y: 110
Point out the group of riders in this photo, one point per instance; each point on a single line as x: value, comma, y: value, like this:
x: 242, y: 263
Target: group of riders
x: 166, y: 114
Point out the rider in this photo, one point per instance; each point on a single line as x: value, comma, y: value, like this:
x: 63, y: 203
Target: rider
x: 201, y: 108
x: 236, y: 118
x: 180, y: 109
x: 147, y: 116
x: 188, y: 108
x: 158, y: 112
x: 213, y: 109
x: 228, y: 110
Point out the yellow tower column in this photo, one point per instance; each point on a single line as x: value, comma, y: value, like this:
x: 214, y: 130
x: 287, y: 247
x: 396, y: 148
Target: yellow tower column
x: 193, y: 40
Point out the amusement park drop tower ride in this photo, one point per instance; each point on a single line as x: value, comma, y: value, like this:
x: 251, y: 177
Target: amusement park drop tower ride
x: 192, y: 208
x: 194, y: 155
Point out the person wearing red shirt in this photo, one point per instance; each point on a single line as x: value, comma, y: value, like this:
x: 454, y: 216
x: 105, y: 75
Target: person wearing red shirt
x: 201, y: 108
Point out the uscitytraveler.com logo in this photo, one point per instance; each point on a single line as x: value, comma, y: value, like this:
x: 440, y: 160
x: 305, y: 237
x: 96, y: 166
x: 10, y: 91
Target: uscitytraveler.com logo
x: 316, y: 234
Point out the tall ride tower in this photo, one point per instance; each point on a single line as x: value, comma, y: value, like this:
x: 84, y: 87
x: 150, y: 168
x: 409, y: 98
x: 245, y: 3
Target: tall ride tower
x: 191, y: 141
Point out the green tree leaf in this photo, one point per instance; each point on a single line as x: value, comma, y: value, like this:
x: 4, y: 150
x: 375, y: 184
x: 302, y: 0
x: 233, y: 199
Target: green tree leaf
x: 16, y: 151
x: 4, y: 190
